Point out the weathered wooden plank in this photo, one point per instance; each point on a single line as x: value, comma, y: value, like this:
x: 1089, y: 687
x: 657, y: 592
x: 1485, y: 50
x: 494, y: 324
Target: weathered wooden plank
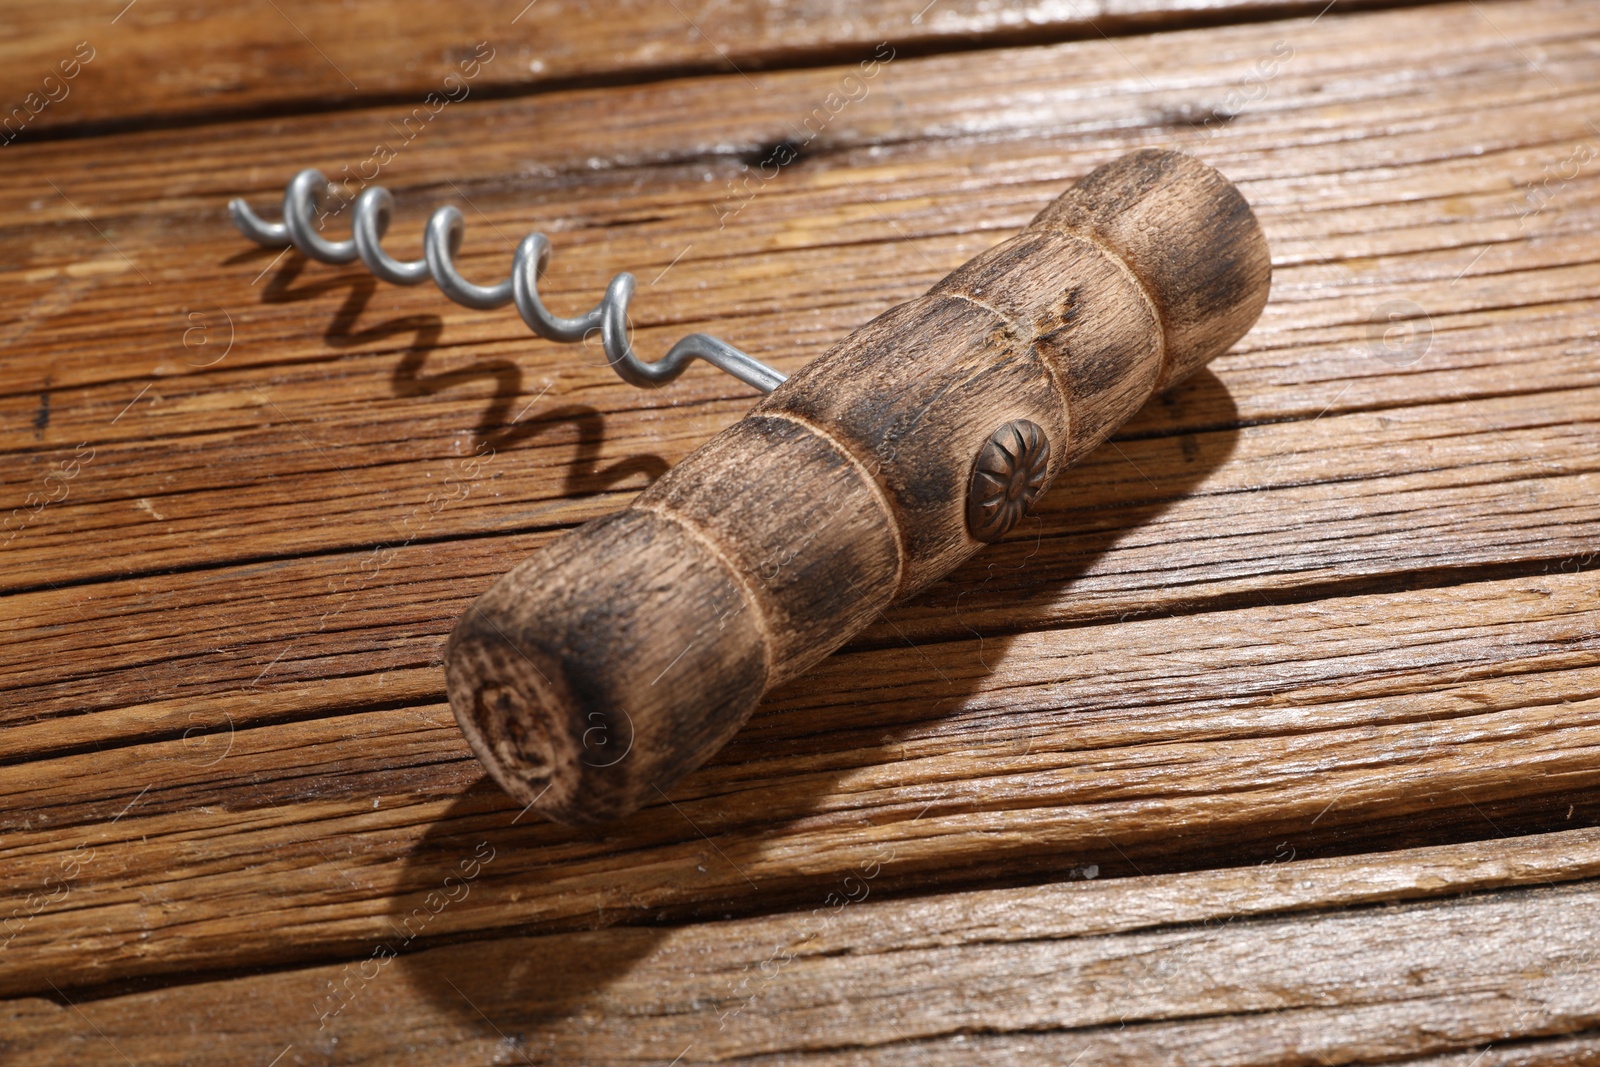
x: 259, y: 422
x: 95, y: 65
x: 1438, y: 492
x: 1165, y: 743
x: 1213, y: 748
x: 1286, y: 962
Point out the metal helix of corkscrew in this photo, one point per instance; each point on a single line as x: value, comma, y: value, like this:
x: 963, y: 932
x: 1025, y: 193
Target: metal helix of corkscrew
x: 302, y: 204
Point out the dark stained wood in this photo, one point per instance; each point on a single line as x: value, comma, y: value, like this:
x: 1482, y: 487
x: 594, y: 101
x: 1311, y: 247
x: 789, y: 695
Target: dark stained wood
x: 604, y: 668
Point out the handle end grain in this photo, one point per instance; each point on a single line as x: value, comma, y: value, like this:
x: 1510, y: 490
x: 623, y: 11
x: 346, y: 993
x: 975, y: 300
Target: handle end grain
x: 605, y: 666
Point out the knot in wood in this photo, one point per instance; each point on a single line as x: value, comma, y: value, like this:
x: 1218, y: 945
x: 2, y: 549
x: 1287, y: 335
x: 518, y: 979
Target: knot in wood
x: 1008, y: 475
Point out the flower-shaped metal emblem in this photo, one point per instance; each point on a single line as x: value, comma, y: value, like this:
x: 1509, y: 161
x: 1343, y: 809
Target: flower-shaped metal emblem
x: 1007, y: 477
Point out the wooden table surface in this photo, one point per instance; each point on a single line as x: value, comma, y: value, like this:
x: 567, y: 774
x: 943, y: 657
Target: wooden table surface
x: 1274, y: 737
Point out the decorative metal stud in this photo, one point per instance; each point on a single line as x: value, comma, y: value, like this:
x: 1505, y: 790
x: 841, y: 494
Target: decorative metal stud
x: 1007, y: 477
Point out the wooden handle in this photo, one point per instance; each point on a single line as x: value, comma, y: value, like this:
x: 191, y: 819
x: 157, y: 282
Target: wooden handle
x: 629, y: 650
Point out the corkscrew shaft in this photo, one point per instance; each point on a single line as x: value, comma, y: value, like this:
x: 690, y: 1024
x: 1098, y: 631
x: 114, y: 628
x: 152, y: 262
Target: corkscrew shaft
x: 302, y: 204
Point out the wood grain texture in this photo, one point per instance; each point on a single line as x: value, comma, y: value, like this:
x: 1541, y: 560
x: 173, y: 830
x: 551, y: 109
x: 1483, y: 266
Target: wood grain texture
x: 424, y: 376
x: 1461, y: 951
x: 160, y: 61
x: 1336, y: 594
x: 1466, y: 712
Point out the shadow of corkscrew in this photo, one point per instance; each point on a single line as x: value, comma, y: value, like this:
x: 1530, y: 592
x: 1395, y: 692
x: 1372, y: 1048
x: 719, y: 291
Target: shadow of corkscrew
x: 495, y: 428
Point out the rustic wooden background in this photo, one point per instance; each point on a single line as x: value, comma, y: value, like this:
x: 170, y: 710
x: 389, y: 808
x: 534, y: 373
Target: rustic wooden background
x: 1275, y: 738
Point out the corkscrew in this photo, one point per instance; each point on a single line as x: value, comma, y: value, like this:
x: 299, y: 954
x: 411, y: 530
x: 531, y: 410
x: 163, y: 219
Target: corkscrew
x: 303, y: 198
x: 629, y: 650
